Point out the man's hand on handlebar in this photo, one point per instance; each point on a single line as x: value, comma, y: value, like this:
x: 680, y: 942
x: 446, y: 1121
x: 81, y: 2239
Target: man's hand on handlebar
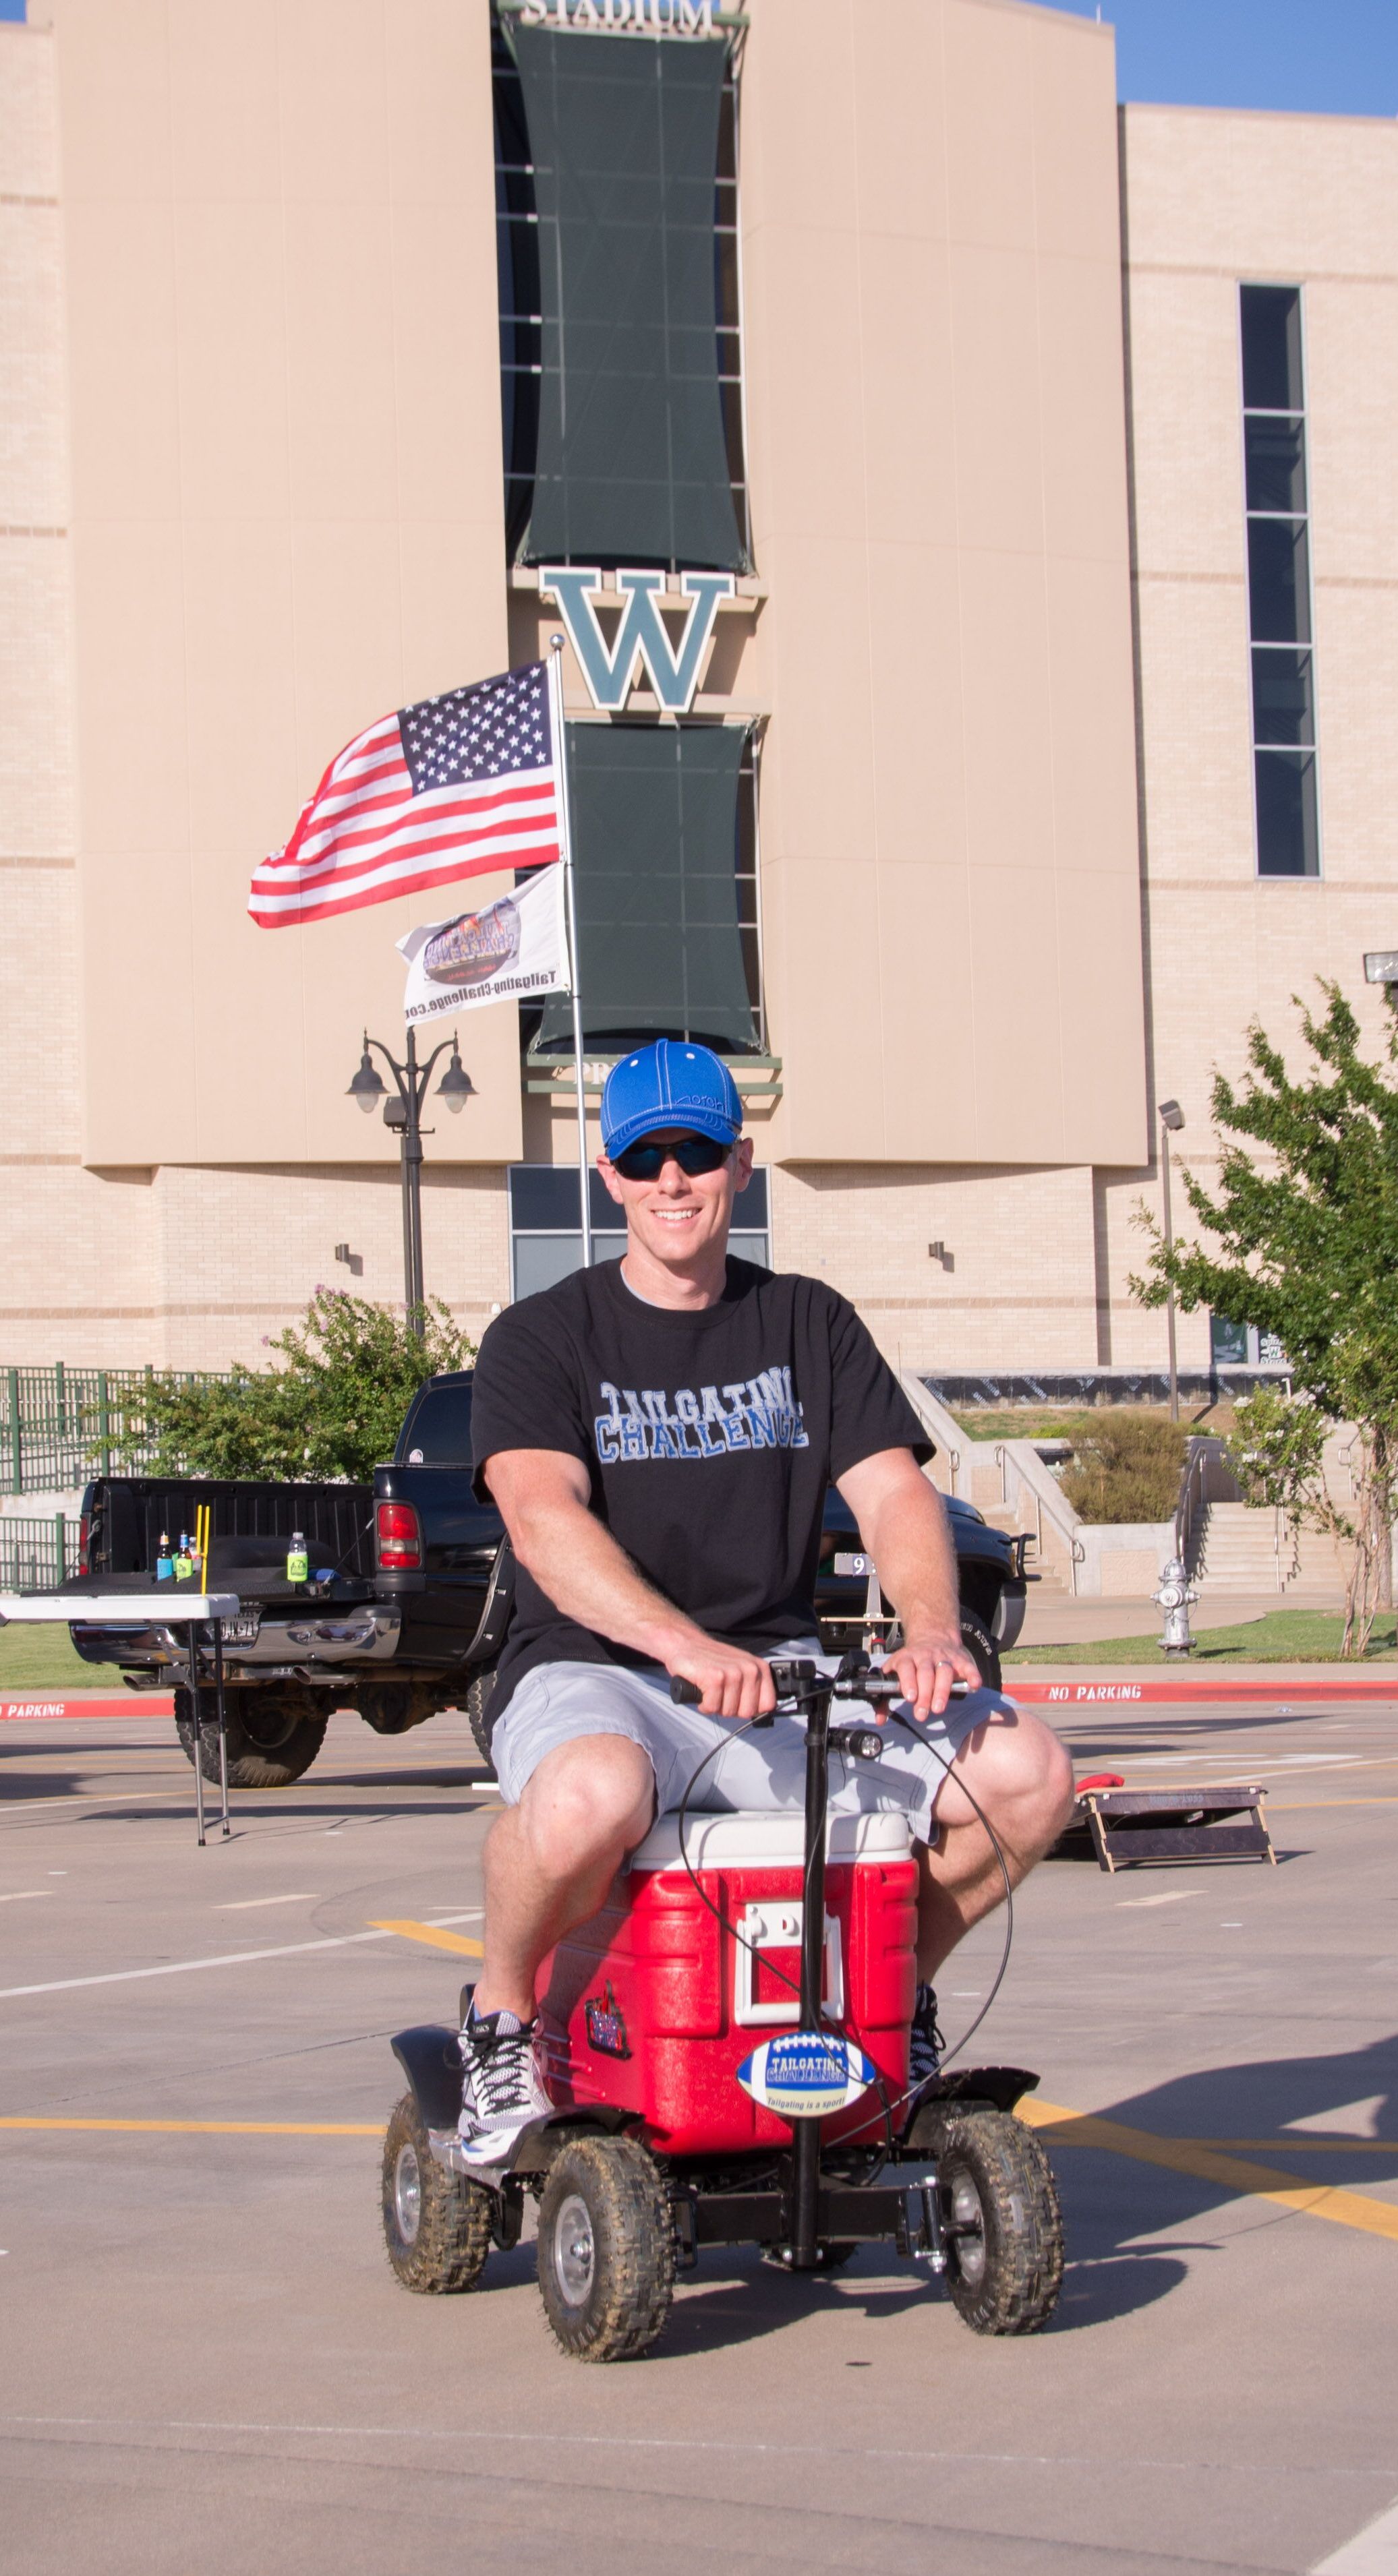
x: 730, y: 1682
x: 927, y: 1669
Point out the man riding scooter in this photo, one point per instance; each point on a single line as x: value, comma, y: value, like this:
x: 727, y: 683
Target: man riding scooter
x: 658, y: 1434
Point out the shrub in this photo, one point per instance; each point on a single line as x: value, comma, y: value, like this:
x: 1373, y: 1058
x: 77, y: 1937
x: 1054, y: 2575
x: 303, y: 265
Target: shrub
x: 332, y: 1411
x: 1127, y: 1469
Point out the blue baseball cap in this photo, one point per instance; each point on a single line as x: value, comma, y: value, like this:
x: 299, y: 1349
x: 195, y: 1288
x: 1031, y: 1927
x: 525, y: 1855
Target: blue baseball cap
x: 670, y: 1084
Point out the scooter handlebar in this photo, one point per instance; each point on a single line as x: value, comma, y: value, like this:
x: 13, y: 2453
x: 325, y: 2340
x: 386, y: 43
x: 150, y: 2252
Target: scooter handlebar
x: 872, y: 1687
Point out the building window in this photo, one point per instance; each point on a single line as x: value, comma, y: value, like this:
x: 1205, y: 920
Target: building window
x: 1242, y: 1346
x: 620, y: 326
x: 664, y: 849
x: 546, y: 1231
x: 1279, y: 583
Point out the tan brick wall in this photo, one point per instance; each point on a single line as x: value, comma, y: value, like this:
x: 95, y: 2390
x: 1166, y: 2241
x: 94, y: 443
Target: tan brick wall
x: 193, y: 1268
x: 1023, y: 1289
x: 193, y: 1263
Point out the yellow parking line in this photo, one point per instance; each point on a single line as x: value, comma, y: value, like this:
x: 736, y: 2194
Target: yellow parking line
x: 434, y: 1938
x: 215, y: 2128
x: 1299, y: 2143
x: 1293, y: 1806
x: 1205, y: 2164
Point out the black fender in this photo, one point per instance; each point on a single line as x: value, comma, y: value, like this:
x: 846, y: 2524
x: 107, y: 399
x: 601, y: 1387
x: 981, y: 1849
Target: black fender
x: 967, y: 2088
x: 535, y: 2147
x: 430, y: 2057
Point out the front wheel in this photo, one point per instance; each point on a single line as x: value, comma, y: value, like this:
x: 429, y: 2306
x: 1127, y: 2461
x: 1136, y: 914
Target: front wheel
x: 1002, y: 2221
x: 606, y: 2249
x: 272, y: 1738
x: 436, y: 2225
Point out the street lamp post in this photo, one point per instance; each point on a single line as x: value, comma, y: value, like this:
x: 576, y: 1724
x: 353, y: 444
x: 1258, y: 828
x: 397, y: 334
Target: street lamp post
x: 402, y: 1112
x: 1171, y: 1120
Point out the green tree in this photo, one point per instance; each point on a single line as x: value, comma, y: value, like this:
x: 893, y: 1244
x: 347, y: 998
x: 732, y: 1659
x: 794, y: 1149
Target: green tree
x: 332, y: 1410
x: 1304, y: 1244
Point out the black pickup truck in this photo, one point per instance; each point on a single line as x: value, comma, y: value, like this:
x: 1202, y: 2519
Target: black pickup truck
x: 408, y: 1594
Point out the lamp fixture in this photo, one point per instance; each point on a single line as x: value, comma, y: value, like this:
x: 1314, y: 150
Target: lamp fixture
x: 368, y: 1084
x: 456, y: 1086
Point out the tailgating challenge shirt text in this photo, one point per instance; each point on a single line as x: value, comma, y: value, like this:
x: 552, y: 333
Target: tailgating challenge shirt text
x: 748, y: 1413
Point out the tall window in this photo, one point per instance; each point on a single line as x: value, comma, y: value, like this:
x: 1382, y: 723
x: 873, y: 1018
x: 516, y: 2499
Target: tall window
x: 620, y: 338
x: 1279, y: 583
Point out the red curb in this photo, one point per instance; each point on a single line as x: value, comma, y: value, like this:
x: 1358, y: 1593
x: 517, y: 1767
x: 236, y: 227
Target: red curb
x: 1192, y: 1686
x: 134, y: 1704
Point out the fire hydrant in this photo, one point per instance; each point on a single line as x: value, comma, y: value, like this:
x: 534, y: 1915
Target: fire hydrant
x: 1174, y: 1597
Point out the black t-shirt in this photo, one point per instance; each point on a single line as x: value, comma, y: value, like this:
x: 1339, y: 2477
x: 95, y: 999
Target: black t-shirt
x: 710, y: 1439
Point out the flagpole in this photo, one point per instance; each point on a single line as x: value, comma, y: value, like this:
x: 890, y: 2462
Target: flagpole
x: 565, y: 847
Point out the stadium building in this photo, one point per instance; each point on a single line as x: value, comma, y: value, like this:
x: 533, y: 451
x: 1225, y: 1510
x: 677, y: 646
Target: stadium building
x: 971, y: 509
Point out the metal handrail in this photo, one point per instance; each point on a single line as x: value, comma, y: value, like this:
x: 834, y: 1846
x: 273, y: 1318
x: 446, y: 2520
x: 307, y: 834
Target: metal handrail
x: 1021, y: 1457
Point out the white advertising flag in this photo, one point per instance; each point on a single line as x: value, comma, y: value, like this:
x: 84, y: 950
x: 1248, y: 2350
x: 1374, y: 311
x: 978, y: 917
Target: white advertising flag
x: 515, y: 948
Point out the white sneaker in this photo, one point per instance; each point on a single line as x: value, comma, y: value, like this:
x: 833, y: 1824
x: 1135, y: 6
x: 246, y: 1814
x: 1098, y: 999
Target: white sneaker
x: 502, y: 2092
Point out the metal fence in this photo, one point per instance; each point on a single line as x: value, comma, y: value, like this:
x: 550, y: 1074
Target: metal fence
x: 58, y: 1425
x: 37, y: 1554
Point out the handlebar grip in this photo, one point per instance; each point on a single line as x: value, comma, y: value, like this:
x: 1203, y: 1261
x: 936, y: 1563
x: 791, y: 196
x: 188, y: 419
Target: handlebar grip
x: 684, y: 1694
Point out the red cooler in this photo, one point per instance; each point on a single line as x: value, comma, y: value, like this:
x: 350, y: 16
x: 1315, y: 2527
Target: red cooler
x: 652, y: 2006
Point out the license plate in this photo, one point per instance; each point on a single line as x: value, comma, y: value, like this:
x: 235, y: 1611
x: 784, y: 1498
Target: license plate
x: 242, y: 1631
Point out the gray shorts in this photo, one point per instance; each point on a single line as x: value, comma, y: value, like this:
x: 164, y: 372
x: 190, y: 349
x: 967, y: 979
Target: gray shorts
x: 766, y: 1770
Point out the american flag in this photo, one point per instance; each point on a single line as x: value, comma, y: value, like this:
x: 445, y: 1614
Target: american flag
x: 459, y: 786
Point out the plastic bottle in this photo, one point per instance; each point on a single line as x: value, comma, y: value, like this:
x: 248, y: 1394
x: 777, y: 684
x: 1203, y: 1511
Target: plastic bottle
x: 298, y: 1562
x: 164, y: 1563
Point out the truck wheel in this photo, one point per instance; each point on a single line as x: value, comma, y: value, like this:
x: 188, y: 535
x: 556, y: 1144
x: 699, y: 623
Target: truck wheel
x: 978, y: 1642
x: 436, y: 2225
x: 606, y: 2249
x: 478, y: 1694
x: 1003, y: 2223
x: 271, y: 1740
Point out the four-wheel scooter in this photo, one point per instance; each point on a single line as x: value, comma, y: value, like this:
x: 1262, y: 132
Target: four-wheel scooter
x: 726, y: 2049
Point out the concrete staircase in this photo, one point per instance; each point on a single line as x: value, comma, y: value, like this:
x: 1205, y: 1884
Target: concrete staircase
x: 1238, y: 1548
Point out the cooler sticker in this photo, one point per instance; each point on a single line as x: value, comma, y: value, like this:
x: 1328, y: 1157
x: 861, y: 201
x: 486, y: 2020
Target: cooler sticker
x: 806, y: 2074
x: 606, y: 2026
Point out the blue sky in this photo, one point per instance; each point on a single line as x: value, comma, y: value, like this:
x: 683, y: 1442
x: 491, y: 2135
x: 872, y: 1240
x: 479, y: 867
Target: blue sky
x: 1334, y: 57
x: 1337, y: 57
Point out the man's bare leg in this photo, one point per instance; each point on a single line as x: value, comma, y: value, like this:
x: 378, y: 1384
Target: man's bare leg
x: 1020, y: 1774
x: 550, y: 1860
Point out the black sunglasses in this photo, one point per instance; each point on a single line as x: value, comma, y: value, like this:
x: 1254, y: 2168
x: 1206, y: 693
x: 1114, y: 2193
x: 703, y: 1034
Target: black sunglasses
x: 646, y: 1160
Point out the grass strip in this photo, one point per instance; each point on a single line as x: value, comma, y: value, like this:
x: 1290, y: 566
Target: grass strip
x: 37, y: 1658
x: 1278, y: 1637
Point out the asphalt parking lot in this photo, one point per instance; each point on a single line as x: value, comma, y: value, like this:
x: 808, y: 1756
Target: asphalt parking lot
x: 206, y: 2364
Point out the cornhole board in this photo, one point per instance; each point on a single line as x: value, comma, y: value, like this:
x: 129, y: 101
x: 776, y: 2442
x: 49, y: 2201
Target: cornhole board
x: 1122, y: 1827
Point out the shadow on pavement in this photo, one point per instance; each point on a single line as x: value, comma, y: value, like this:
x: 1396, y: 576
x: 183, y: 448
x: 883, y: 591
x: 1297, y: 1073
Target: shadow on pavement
x: 1257, y: 2101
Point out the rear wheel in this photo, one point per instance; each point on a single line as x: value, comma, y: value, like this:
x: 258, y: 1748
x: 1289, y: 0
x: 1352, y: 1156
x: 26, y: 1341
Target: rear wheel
x: 606, y: 2249
x: 436, y: 2224
x: 1002, y: 2221
x: 977, y: 1640
x: 478, y: 1696
x: 273, y: 1738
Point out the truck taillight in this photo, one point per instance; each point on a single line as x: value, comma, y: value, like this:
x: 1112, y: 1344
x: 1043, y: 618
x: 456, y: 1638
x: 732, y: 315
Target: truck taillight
x: 85, y: 1544
x: 400, y: 1538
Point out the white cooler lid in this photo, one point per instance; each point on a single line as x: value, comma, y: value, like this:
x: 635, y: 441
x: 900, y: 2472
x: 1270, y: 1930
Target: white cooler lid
x: 757, y: 1840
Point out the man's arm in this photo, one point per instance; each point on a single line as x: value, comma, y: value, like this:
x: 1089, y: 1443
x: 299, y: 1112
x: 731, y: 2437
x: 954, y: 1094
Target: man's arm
x: 543, y: 1497
x: 904, y: 1529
